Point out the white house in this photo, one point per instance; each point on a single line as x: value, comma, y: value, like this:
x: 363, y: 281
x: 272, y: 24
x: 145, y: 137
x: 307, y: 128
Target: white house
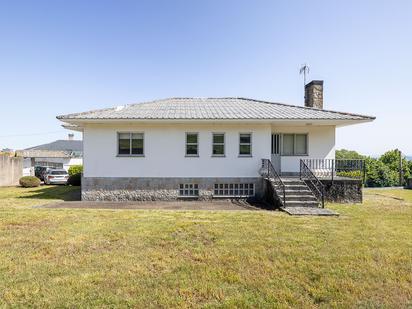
x: 202, y: 147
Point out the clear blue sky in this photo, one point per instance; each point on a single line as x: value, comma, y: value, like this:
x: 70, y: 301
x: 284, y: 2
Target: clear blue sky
x: 59, y: 57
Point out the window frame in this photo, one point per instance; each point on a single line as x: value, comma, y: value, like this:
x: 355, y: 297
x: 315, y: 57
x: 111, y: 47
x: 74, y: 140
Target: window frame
x: 225, y: 190
x: 219, y: 144
x: 197, y: 145
x: 250, y: 144
x: 294, y: 154
x: 185, y: 188
x: 130, y: 144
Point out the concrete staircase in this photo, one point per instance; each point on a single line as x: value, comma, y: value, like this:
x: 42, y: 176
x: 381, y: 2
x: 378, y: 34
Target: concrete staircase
x: 297, y: 193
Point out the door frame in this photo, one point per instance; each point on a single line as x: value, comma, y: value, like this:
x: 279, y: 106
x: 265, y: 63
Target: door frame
x: 276, y: 151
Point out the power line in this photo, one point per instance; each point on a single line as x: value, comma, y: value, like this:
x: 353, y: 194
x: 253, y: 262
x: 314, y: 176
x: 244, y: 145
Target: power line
x: 32, y: 134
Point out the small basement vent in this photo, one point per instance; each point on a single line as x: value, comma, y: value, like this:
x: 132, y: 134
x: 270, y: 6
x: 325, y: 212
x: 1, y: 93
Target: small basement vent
x: 189, y: 190
x: 234, y: 189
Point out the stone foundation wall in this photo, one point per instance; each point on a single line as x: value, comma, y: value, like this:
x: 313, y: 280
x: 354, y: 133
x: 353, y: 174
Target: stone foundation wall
x: 343, y: 190
x: 153, y: 189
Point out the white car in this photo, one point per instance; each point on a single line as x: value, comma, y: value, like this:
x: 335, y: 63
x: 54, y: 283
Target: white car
x: 56, y: 176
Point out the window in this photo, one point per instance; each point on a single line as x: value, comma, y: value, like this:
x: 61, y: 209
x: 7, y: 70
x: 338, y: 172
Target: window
x: 58, y: 173
x: 49, y: 164
x: 245, y: 144
x: 295, y: 144
x: 130, y: 144
x: 301, y: 144
x: 189, y: 189
x: 234, y: 189
x: 288, y: 144
x: 218, y: 145
x: 192, y: 145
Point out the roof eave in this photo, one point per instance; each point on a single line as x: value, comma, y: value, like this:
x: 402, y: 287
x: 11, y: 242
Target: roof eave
x: 77, y: 124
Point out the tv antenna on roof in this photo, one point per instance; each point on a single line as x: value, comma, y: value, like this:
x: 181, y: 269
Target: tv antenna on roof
x: 304, y: 69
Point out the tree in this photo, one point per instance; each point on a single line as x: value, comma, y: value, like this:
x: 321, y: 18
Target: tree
x: 379, y: 175
x: 391, y: 160
x: 348, y: 154
x: 382, y: 172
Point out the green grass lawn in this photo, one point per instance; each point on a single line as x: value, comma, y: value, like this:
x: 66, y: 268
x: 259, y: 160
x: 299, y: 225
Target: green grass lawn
x: 129, y: 258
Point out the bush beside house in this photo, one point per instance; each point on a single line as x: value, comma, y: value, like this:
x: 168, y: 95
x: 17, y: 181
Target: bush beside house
x: 75, y: 169
x: 29, y: 181
x: 75, y: 175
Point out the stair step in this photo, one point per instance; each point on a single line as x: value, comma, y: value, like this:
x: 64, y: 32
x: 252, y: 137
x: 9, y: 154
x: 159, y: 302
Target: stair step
x: 302, y: 203
x: 296, y: 187
x: 307, y: 197
x: 298, y: 192
x: 292, y: 182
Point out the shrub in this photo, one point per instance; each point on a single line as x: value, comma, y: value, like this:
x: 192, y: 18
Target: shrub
x: 75, y: 179
x: 350, y: 174
x: 75, y: 169
x: 29, y: 181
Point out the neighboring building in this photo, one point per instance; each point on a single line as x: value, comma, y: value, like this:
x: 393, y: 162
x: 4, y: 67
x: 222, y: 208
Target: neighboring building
x: 57, y: 154
x: 201, y: 147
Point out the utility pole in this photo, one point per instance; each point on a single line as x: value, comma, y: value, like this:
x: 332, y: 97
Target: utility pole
x: 400, y: 169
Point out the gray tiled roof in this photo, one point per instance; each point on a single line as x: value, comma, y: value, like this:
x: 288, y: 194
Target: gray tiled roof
x: 60, y: 145
x: 213, y: 109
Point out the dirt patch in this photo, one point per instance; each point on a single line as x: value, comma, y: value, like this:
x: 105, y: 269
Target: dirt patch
x: 171, y: 205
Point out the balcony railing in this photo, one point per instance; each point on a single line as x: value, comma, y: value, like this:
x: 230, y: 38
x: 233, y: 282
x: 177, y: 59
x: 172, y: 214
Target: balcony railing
x: 337, y: 169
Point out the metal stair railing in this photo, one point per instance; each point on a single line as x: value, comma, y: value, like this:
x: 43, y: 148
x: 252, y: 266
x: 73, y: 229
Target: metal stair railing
x: 314, y: 184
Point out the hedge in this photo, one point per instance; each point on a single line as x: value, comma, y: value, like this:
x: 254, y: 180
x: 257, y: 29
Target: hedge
x: 75, y: 169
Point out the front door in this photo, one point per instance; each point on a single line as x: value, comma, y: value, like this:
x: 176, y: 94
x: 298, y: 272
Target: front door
x: 276, y: 160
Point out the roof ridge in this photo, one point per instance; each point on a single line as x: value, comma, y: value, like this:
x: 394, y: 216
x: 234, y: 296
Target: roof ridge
x: 308, y: 108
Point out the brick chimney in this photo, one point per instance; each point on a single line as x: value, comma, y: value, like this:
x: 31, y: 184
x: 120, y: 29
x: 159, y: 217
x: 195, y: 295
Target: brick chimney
x: 71, y: 136
x: 314, y: 94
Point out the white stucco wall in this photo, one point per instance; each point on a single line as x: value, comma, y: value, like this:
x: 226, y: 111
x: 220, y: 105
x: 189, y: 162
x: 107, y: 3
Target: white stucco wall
x: 71, y: 162
x: 321, y: 145
x: 164, y: 147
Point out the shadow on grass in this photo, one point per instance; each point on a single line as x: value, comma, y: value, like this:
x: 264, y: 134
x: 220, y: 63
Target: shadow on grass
x: 253, y: 203
x: 65, y: 193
